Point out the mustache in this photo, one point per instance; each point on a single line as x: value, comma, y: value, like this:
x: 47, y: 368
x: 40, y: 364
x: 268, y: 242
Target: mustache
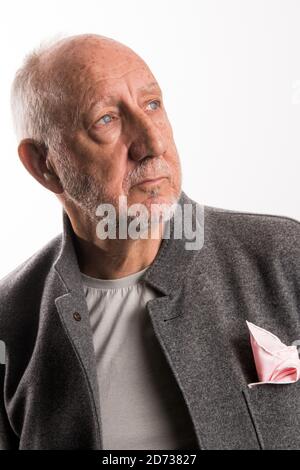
x: 155, y: 168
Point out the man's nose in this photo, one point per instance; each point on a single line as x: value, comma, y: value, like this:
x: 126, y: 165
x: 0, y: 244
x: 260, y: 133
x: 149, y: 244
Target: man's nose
x: 148, y: 140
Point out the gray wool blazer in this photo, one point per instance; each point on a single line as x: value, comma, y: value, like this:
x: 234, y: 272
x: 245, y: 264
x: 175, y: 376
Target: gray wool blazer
x: 247, y: 269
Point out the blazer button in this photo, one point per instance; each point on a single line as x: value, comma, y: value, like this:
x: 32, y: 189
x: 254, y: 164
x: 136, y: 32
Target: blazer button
x: 77, y: 316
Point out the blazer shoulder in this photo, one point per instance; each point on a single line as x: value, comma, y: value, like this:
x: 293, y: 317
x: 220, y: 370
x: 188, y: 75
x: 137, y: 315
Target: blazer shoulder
x: 269, y: 231
x: 30, y: 271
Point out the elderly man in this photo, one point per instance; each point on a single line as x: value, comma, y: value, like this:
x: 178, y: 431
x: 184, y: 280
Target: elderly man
x: 136, y: 342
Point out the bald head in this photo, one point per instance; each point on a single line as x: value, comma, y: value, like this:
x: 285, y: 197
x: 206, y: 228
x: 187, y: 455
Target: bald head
x: 56, y: 81
x: 81, y: 49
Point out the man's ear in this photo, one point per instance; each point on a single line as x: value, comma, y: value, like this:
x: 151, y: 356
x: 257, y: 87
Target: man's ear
x: 33, y: 155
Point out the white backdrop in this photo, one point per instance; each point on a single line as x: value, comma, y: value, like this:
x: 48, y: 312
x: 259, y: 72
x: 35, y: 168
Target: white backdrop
x: 230, y: 73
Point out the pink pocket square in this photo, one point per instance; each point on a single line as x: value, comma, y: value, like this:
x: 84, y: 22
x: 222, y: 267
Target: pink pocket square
x: 275, y: 362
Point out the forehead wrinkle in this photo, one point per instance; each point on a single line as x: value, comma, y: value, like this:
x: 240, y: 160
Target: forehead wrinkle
x: 118, y: 76
x: 101, y: 101
x: 95, y: 100
x: 72, y: 73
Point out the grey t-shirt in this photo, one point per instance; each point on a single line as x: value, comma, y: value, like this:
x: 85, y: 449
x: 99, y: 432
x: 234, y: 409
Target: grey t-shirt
x: 141, y: 405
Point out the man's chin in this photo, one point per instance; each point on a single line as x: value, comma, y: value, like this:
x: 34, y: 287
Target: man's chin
x: 158, y: 205
x: 154, y: 195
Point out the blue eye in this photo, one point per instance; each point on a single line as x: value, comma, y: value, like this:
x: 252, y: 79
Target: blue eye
x: 105, y: 119
x: 156, y: 104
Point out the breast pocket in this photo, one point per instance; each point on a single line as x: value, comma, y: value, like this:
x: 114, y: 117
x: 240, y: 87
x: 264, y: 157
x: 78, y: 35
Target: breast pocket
x: 275, y: 413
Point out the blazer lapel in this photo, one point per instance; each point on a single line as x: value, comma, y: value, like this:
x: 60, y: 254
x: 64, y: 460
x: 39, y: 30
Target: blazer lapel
x: 196, y: 349
x: 73, y: 312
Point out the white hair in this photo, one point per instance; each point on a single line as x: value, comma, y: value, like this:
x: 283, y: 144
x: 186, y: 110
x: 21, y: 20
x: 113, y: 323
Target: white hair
x: 34, y: 97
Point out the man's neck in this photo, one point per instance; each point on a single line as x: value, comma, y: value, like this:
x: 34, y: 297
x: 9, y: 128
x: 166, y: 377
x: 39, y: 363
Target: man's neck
x: 113, y: 258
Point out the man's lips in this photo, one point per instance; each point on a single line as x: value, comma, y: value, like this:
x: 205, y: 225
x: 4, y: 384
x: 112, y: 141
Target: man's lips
x: 149, y: 181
